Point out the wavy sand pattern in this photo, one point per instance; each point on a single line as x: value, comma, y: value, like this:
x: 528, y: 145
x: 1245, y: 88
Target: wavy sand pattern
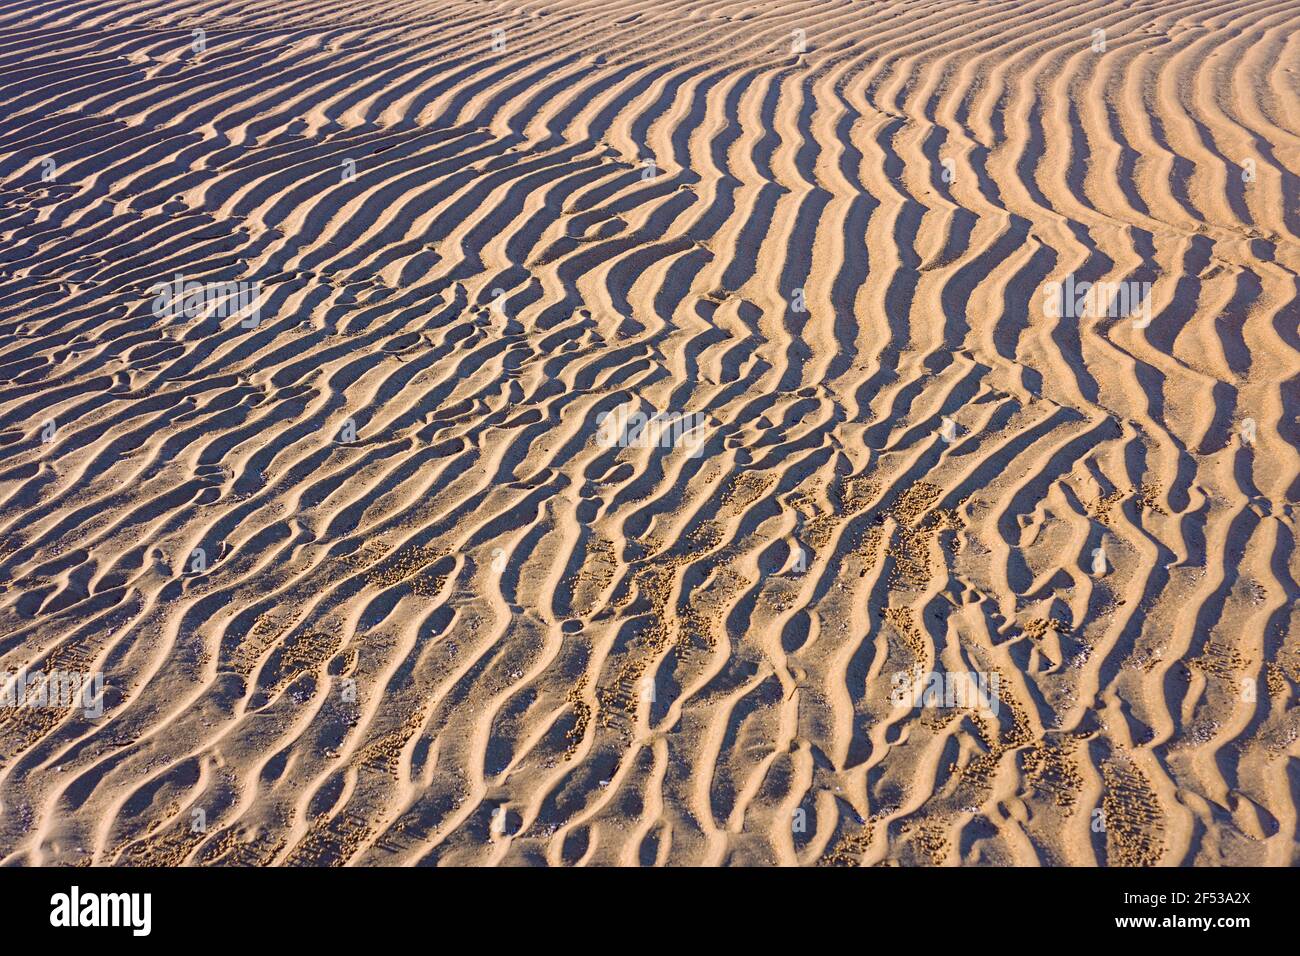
x: 366, y: 586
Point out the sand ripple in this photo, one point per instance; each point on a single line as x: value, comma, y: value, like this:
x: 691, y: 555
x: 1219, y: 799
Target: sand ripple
x: 364, y: 582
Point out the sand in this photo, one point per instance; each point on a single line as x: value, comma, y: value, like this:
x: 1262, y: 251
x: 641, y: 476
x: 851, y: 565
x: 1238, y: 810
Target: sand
x: 327, y: 338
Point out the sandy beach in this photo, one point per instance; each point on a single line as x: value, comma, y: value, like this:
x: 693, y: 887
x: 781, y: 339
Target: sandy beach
x: 609, y: 433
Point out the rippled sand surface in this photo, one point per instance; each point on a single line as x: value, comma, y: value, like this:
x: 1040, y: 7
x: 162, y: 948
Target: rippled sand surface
x: 935, y: 559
